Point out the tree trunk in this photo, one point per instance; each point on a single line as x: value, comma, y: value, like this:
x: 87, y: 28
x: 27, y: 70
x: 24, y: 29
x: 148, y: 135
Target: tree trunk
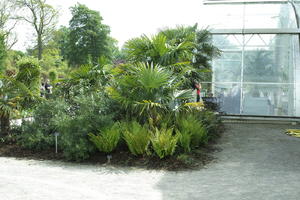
x: 40, y: 47
x: 5, y: 125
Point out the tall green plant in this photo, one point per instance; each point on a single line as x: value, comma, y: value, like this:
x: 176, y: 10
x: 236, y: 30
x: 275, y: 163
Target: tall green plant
x: 188, y: 124
x: 147, y: 90
x: 19, y: 92
x: 185, y: 139
x: 186, y: 51
x: 108, y: 138
x: 137, y: 137
x: 164, y: 142
x: 88, y: 36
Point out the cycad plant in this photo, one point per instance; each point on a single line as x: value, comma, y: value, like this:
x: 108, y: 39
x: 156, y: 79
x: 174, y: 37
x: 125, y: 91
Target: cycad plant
x: 108, y: 138
x: 137, y: 137
x: 191, y: 129
x: 185, y: 139
x: 164, y: 142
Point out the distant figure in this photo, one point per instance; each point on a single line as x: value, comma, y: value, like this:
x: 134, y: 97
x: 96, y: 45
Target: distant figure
x: 42, y: 90
x: 198, y: 88
x: 48, y: 88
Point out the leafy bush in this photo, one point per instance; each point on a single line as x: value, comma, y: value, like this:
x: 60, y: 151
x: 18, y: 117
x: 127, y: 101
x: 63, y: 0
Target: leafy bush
x: 108, y: 138
x: 137, y: 137
x: 87, y: 114
x: 53, y: 76
x: 211, y: 121
x: 164, y: 142
x: 75, y: 143
x: 29, y: 73
x: 36, y: 141
x: 189, y: 124
x: 200, y: 136
x: 73, y: 120
x: 37, y: 133
x: 45, y: 116
x: 184, y: 140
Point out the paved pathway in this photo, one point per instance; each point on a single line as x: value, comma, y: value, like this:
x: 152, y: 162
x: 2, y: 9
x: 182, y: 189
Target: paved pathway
x: 258, y: 162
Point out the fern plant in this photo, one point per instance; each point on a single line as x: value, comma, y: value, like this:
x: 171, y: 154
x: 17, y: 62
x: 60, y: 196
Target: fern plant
x: 137, y: 137
x: 164, y: 142
x: 108, y: 140
x: 184, y: 140
x: 188, y: 124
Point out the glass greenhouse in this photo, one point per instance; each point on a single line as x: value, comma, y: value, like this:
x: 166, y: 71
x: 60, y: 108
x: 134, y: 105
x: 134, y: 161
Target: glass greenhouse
x: 258, y: 72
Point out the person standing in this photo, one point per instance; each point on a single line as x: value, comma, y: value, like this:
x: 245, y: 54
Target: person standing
x: 48, y: 88
x: 198, y: 92
x: 42, y: 89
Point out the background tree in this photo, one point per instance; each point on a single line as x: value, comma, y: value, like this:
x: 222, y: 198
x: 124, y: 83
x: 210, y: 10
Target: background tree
x: 43, y: 18
x: 3, y: 53
x: 88, y: 37
x: 8, y: 21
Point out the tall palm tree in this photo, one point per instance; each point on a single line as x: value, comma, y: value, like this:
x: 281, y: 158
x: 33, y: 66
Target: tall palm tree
x: 184, y: 50
x: 147, y: 90
x: 18, y: 91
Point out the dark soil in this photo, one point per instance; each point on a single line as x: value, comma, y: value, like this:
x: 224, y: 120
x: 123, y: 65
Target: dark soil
x: 194, y: 160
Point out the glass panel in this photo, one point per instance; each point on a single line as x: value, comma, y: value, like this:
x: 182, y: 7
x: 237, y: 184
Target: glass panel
x: 228, y: 41
x: 227, y: 68
x: 269, y: 63
x: 268, y: 99
x: 223, y: 16
x: 269, y: 16
x: 229, y: 95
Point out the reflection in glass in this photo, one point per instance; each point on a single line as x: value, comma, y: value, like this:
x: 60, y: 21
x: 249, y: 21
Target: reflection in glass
x: 258, y: 72
x: 270, y: 99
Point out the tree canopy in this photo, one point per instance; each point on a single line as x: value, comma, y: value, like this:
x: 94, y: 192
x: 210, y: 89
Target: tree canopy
x: 88, y: 37
x: 42, y: 17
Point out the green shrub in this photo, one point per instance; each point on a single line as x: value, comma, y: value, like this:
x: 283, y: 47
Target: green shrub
x: 38, y: 133
x: 53, y: 76
x: 108, y: 139
x: 199, y: 137
x: 75, y: 143
x: 189, y: 124
x: 184, y: 140
x: 211, y: 122
x: 137, y: 137
x: 164, y: 142
x: 86, y: 114
x: 36, y: 141
x: 46, y: 115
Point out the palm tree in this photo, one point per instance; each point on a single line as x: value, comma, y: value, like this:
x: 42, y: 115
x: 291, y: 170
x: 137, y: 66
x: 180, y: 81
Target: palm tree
x: 183, y: 50
x: 147, y: 90
x: 19, y: 91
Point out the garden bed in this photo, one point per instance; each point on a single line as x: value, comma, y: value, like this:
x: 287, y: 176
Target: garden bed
x: 194, y: 160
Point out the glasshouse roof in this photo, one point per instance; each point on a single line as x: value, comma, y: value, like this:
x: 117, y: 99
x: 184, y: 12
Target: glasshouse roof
x: 243, y: 15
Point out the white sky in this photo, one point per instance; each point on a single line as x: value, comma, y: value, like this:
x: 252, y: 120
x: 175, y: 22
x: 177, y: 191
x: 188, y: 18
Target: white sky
x: 127, y: 18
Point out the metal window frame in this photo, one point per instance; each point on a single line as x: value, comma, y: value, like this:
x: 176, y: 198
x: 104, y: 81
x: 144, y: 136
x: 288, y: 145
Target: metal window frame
x: 255, y: 31
x: 217, y: 2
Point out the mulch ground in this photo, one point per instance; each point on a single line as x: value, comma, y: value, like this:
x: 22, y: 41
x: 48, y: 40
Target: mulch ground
x: 195, y: 160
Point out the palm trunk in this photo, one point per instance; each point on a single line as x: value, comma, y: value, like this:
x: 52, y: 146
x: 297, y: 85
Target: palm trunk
x: 5, y: 125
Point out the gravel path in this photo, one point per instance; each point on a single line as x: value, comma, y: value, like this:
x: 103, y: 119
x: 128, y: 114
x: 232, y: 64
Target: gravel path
x: 258, y: 162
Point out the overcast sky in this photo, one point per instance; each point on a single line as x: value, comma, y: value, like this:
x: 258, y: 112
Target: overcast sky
x: 128, y: 18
